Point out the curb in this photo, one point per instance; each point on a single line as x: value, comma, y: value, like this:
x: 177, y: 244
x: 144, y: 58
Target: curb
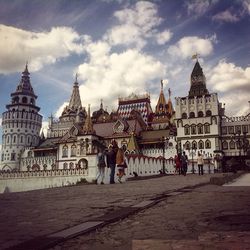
x: 225, y: 178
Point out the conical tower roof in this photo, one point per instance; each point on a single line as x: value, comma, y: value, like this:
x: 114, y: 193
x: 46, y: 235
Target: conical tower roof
x: 25, y: 86
x: 161, y: 106
x: 132, y: 144
x: 198, y: 81
x: 75, y: 100
x: 88, y: 125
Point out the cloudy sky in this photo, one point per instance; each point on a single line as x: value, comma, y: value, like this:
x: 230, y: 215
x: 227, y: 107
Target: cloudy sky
x: 119, y: 46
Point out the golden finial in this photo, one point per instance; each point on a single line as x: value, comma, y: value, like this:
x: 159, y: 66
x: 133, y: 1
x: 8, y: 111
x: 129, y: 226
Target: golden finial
x: 195, y: 56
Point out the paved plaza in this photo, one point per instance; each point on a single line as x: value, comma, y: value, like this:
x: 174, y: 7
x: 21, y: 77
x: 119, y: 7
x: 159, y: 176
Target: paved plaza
x: 191, y: 216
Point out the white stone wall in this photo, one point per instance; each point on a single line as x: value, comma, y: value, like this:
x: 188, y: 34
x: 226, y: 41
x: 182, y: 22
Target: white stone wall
x: 198, y: 104
x: 25, y: 181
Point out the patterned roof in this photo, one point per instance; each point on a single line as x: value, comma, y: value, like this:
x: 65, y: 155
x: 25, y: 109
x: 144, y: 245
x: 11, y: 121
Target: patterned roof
x: 140, y: 104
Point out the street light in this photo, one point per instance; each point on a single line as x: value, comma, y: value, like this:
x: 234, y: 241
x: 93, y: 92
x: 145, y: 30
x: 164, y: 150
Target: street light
x: 164, y: 140
x: 193, y: 152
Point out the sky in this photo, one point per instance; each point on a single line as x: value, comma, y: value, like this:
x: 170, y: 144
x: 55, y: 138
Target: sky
x: 119, y: 47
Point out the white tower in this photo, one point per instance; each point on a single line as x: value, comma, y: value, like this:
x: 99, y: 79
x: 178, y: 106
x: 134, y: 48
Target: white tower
x: 198, y: 118
x: 21, y: 124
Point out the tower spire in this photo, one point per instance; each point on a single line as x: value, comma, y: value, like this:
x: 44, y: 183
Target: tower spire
x: 88, y: 126
x: 198, y: 81
x: 75, y: 100
x: 161, y: 106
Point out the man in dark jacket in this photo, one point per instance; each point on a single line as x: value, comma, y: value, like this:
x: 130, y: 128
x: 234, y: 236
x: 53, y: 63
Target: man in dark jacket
x: 111, y: 161
x: 184, y: 163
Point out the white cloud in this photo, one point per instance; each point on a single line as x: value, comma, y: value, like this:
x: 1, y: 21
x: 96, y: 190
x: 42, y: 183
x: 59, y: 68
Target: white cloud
x: 227, y: 76
x: 60, y: 109
x: 189, y: 45
x: 226, y: 16
x: 136, y: 25
x: 233, y: 83
x: 163, y: 37
x: 120, y: 75
x: 39, y: 48
x: 246, y: 5
x: 199, y: 7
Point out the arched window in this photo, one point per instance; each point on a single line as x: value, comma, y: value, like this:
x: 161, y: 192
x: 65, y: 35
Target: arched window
x: 71, y: 165
x: 200, y: 114
x: 31, y: 101
x: 73, y: 150
x: 187, y: 145
x: 65, y: 165
x: 194, y: 145
x: 201, y: 144
x: 207, y: 128
x: 224, y: 145
x: 179, y: 123
x: 30, y: 154
x: 232, y: 145
x: 200, y: 128
x: 65, y: 151
x: 24, y: 99
x: 208, y: 113
x: 14, y: 139
x: 184, y: 116
x: 191, y: 115
x: 207, y: 144
x: 193, y: 129
x: 187, y: 130
x: 214, y: 120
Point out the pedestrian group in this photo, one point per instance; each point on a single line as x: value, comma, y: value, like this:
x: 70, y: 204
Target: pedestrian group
x: 112, y: 158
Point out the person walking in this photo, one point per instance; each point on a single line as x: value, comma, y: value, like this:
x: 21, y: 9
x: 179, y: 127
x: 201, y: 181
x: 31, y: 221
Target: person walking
x: 121, y: 164
x: 111, y: 161
x: 184, y: 163
x: 177, y: 160
x: 101, y: 164
x: 200, y: 162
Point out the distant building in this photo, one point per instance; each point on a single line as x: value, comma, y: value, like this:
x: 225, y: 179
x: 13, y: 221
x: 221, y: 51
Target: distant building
x: 74, y: 139
x: 21, y: 124
x: 198, y: 118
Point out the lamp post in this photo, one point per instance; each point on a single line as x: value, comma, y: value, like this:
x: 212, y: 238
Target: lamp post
x: 164, y: 140
x: 192, y: 151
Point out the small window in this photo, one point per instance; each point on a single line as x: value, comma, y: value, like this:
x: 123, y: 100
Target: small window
x: 201, y: 144
x: 200, y: 114
x: 65, y: 165
x: 73, y: 150
x: 184, y: 116
x: 193, y: 129
x: 200, y: 129
x: 232, y: 145
x: 187, y: 130
x: 224, y: 130
x: 207, y: 144
x: 187, y: 145
x: 208, y: 113
x: 65, y: 151
x: 231, y: 130
x: 194, y: 145
x: 24, y: 100
x: 191, y: 115
x: 224, y: 145
x: 207, y: 128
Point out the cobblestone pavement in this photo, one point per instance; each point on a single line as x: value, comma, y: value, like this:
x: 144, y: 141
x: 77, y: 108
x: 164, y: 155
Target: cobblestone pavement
x: 208, y: 217
x: 26, y: 215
